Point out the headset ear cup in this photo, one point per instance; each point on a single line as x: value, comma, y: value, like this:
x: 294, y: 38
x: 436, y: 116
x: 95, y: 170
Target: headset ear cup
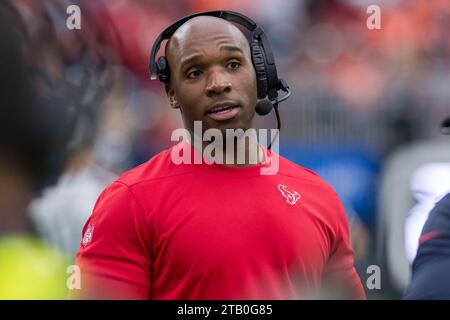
x: 162, y: 67
x: 260, y: 68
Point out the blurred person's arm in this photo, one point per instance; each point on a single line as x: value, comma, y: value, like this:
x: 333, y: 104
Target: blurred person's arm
x: 431, y: 266
x: 114, y: 256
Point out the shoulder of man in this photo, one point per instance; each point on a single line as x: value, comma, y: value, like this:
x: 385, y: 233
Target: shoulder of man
x: 158, y: 167
x: 432, y: 262
x: 435, y: 237
x: 289, y: 168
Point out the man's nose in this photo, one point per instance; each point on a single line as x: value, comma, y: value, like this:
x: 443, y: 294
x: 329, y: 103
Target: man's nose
x: 218, y: 84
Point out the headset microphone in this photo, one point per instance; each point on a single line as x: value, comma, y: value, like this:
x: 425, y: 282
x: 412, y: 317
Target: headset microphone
x: 263, y: 107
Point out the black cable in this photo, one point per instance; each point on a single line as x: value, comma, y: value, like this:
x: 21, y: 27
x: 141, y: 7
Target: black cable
x: 278, y: 126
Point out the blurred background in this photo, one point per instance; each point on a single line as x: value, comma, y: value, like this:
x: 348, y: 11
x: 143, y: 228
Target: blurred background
x: 78, y: 109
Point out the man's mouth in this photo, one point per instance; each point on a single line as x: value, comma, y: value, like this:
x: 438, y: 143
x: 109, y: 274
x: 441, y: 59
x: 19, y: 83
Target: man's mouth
x: 223, y: 112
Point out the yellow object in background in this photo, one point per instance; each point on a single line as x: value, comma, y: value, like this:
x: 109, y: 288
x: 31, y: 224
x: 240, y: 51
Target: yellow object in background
x: 31, y: 270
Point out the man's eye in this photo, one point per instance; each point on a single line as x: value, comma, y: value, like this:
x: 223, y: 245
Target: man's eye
x: 194, y: 74
x: 234, y: 65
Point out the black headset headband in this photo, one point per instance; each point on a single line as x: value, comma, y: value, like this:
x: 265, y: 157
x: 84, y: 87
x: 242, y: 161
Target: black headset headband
x: 257, y: 33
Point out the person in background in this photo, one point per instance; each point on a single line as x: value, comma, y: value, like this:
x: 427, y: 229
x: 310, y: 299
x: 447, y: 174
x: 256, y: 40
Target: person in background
x: 41, y: 109
x: 431, y: 265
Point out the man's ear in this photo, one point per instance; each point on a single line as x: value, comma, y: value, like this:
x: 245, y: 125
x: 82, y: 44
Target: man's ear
x: 172, y: 98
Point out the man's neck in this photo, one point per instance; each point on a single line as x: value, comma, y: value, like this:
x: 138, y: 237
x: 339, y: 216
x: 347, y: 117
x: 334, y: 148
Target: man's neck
x: 235, y: 152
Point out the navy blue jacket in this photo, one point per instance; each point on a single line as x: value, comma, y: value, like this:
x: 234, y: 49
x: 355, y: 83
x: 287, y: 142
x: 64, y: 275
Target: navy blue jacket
x: 431, y: 267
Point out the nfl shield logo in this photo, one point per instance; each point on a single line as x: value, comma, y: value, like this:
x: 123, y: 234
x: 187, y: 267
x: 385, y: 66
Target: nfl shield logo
x: 88, y: 235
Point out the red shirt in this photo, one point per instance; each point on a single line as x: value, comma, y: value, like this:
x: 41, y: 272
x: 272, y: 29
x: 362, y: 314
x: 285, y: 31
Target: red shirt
x: 199, y: 231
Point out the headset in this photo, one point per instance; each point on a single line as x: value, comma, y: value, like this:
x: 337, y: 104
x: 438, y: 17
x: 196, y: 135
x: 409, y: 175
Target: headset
x: 267, y: 82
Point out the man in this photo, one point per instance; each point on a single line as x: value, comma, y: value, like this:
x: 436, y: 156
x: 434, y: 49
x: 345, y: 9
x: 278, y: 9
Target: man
x: 216, y: 231
x: 432, y: 263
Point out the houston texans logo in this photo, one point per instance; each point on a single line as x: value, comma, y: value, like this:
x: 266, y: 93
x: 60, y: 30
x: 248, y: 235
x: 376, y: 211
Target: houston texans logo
x: 291, y: 196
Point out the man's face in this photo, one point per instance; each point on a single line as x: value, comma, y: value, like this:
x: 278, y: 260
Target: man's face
x: 212, y: 76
